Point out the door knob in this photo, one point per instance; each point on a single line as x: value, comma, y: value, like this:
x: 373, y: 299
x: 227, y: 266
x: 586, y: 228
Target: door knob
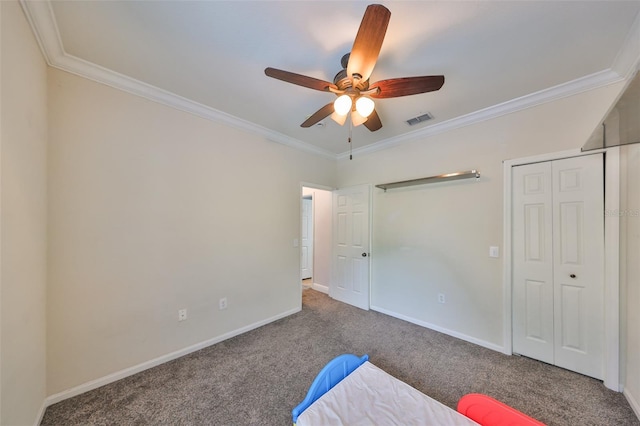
x: 364, y: 254
x: 572, y: 275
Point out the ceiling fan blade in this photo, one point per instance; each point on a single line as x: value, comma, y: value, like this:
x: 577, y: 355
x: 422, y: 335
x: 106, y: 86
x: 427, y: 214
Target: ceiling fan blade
x: 299, y: 79
x: 396, y: 87
x: 368, y: 42
x: 373, y: 123
x: 320, y: 114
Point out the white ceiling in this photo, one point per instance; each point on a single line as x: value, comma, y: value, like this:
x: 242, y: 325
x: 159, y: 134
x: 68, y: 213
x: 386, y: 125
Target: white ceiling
x: 209, y: 57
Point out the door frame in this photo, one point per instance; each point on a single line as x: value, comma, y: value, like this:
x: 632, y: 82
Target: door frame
x: 611, y: 255
x: 300, y: 191
x: 311, y: 225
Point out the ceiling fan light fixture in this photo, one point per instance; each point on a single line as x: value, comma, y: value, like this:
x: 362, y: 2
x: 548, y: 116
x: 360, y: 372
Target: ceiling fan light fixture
x: 357, y: 118
x: 352, y: 82
x: 342, y: 105
x: 365, y: 106
x: 340, y: 119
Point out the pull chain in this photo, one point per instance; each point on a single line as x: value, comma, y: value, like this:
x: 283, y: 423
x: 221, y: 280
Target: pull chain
x: 350, y: 146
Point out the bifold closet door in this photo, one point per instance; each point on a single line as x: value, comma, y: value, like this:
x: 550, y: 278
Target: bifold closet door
x: 533, y: 261
x: 558, y: 263
x: 578, y: 265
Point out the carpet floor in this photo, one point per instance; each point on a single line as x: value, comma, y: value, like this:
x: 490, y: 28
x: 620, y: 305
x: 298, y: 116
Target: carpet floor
x: 258, y: 377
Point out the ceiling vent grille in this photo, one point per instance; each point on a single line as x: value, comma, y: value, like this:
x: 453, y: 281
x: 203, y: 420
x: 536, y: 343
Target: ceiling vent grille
x: 419, y: 119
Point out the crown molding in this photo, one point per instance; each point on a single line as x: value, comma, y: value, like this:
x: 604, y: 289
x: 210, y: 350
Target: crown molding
x: 43, y: 23
x: 624, y: 67
x: 590, y: 82
x: 627, y: 61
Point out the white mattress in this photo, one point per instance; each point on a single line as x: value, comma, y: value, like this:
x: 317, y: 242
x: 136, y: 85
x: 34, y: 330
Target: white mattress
x: 370, y: 396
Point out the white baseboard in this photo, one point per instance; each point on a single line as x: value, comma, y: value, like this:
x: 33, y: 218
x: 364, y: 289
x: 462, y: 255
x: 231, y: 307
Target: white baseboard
x: 94, y: 384
x: 452, y: 333
x: 43, y: 408
x: 321, y: 288
x: 633, y: 402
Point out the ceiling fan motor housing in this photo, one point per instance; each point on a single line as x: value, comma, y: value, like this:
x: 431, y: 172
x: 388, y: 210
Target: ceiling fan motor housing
x: 343, y: 82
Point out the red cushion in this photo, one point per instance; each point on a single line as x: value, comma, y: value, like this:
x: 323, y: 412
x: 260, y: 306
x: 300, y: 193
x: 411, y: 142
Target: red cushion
x: 490, y: 412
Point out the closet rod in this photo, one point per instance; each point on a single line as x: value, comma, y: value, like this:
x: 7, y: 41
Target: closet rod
x: 431, y: 179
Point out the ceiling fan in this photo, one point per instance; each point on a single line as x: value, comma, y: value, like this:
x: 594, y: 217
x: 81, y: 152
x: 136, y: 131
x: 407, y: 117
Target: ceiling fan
x: 351, y: 84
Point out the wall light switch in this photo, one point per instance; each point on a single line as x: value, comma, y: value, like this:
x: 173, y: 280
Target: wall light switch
x: 494, y: 251
x: 295, y: 242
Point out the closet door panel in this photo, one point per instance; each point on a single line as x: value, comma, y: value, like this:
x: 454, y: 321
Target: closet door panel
x: 578, y: 273
x: 533, y: 262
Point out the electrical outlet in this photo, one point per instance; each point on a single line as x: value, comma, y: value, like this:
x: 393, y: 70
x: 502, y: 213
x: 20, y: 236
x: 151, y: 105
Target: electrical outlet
x: 441, y: 298
x: 182, y: 314
x: 222, y: 304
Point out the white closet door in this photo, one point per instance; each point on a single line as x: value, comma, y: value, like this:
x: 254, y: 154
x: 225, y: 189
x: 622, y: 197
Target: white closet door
x: 533, y: 262
x: 558, y: 263
x: 578, y: 273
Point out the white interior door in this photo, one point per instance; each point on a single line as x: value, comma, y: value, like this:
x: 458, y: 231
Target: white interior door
x: 558, y: 263
x: 350, y: 266
x: 306, y: 245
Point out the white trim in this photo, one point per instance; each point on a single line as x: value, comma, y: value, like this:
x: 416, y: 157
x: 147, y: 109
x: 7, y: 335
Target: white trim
x: 612, y: 270
x: 627, y: 59
x: 589, y: 82
x: 42, y: 20
x: 571, y: 153
x: 612, y: 247
x: 43, y: 408
x: 507, y: 334
x: 2, y: 221
x: 122, y: 82
x: 370, y: 243
x: 43, y: 23
x: 45, y: 28
x: 320, y: 287
x: 439, y: 329
x: 633, y: 402
x: 315, y: 286
x: 94, y: 384
x: 315, y: 186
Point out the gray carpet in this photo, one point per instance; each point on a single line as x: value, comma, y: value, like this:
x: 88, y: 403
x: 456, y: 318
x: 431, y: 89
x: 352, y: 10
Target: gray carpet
x: 258, y: 377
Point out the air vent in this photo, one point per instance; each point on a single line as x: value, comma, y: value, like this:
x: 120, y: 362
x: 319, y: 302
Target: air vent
x: 419, y: 119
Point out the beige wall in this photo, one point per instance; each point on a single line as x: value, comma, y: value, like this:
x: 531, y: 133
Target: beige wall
x: 153, y: 210
x: 435, y: 238
x: 23, y: 219
x: 148, y: 210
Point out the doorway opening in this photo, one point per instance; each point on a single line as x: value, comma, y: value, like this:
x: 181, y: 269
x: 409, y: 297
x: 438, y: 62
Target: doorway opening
x: 315, y: 238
